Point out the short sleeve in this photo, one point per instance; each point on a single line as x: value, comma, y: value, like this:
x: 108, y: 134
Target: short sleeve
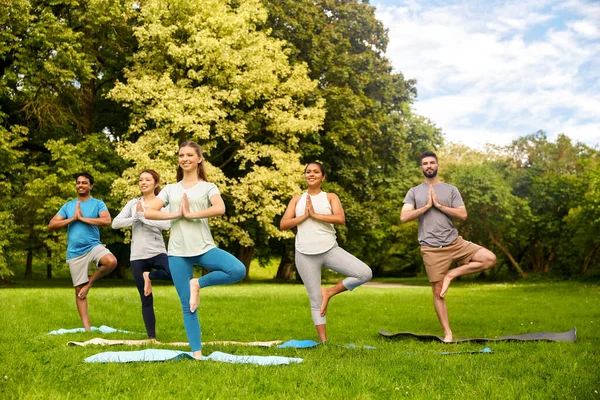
x: 101, y: 206
x: 410, y: 198
x: 164, y: 195
x: 456, y: 198
x: 212, y: 190
x: 63, y: 211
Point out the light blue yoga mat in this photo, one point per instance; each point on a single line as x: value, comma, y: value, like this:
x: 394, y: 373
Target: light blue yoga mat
x: 102, y: 328
x: 152, y: 355
x: 307, y: 344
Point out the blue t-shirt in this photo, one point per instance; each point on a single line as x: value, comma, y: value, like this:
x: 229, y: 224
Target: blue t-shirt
x: 82, y: 237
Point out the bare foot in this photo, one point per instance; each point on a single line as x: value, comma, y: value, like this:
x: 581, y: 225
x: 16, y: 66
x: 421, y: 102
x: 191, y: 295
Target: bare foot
x: 325, y: 301
x: 445, y: 286
x: 147, y: 284
x: 194, y: 294
x: 448, y: 338
x: 84, y: 292
x: 197, y: 355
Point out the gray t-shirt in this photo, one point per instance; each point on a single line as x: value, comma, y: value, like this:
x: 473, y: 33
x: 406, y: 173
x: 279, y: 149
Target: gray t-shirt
x: 435, y: 227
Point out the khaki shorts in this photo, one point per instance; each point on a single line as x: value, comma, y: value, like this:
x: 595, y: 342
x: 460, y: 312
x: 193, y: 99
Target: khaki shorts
x: 80, y: 266
x: 437, y: 260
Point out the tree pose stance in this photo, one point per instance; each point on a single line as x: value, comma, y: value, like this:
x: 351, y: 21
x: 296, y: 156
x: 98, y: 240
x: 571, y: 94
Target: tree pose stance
x: 434, y: 203
x: 82, y: 217
x: 149, y: 260
x: 314, y: 213
x: 190, y: 202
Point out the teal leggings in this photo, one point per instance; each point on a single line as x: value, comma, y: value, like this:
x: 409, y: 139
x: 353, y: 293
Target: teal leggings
x: 224, y: 268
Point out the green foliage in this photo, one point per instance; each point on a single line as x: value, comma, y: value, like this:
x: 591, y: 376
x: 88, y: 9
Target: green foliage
x: 204, y: 71
x: 57, y: 60
x: 370, y: 136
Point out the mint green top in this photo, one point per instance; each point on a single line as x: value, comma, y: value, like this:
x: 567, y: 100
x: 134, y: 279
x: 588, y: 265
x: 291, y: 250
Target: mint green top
x: 189, y: 237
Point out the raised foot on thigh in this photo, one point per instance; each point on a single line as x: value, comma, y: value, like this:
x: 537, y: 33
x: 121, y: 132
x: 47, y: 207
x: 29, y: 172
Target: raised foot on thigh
x: 445, y: 286
x: 194, y: 294
x: 147, y: 284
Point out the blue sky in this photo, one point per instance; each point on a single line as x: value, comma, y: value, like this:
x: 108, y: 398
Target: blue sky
x: 491, y: 71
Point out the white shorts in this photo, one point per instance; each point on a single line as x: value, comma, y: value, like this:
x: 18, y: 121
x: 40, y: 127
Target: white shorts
x: 80, y: 266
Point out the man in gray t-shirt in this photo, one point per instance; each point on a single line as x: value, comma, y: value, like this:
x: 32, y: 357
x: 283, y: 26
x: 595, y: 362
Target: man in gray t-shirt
x: 435, y: 203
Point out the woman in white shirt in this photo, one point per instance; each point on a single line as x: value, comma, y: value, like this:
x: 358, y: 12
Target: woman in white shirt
x: 190, y: 202
x: 315, y: 213
x: 148, y: 258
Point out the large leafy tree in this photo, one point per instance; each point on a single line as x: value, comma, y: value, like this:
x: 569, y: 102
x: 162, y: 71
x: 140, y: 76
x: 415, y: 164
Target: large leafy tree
x: 204, y: 71
x: 370, y: 137
x: 553, y: 177
x: 57, y: 61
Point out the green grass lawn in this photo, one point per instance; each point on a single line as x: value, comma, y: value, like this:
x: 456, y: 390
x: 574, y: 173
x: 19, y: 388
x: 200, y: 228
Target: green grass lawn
x: 36, y: 365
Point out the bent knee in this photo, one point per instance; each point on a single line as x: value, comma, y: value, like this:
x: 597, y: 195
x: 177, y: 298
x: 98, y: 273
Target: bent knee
x: 490, y: 260
x: 368, y: 275
x: 238, y: 272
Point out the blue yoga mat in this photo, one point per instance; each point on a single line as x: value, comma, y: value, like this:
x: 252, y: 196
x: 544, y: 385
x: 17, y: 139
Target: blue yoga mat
x: 153, y: 355
x: 102, y: 328
x: 307, y: 344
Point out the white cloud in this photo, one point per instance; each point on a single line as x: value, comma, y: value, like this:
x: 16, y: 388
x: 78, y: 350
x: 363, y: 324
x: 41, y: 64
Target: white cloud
x: 498, y: 72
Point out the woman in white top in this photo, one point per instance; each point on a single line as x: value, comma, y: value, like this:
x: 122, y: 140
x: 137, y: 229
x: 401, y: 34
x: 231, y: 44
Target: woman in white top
x: 148, y: 253
x: 190, y: 202
x: 314, y: 213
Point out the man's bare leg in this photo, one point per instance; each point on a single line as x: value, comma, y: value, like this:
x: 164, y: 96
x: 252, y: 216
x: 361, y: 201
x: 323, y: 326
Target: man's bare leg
x: 147, y: 283
x: 322, y: 332
x: 482, y: 260
x: 328, y: 293
x: 82, y: 308
x: 106, y: 265
x: 442, y: 311
x: 194, y: 294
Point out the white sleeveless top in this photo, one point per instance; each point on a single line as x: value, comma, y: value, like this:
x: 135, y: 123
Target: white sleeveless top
x: 315, y: 237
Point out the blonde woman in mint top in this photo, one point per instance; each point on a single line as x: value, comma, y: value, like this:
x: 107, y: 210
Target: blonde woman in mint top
x: 190, y: 202
x: 315, y: 213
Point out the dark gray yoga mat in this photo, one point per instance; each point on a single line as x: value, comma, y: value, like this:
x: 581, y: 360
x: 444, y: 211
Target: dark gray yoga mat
x: 569, y: 336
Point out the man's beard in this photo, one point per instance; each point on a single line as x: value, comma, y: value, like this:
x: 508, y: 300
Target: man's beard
x: 430, y: 174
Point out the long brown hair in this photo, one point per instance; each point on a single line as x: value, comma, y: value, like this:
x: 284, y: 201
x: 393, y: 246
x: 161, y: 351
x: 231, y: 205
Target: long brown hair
x: 201, y: 172
x: 156, y: 178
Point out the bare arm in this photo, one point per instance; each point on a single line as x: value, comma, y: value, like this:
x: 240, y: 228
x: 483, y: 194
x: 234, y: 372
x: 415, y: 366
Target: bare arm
x: 216, y: 209
x: 337, y: 217
x: 289, y: 219
x: 408, y: 212
x: 153, y: 211
x: 103, y: 220
x: 58, y: 221
x: 458, y: 212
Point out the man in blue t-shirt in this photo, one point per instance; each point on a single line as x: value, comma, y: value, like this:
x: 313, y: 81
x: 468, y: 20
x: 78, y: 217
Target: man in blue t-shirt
x: 82, y: 217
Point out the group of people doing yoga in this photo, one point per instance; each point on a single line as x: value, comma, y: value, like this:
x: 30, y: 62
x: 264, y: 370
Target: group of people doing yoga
x: 185, y: 207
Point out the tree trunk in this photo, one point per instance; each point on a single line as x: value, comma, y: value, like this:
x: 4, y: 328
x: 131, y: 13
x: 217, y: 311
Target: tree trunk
x: 245, y: 256
x: 588, y: 259
x: 507, y: 254
x: 88, y: 95
x: 29, y: 265
x: 547, y: 264
x: 285, y: 271
x: 49, y: 264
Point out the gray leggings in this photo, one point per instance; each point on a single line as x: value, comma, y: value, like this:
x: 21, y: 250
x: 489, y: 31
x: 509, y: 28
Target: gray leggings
x: 337, y: 259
